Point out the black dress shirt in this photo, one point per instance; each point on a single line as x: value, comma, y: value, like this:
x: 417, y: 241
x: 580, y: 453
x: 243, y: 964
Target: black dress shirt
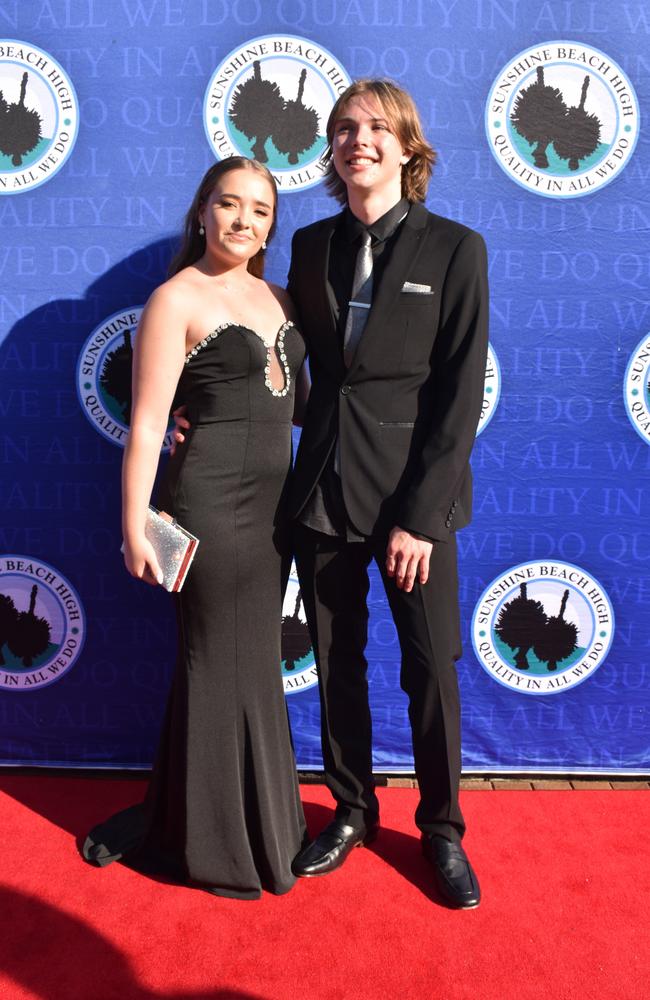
x: 325, y: 510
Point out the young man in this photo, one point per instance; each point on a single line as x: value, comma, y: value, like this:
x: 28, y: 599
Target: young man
x: 393, y: 305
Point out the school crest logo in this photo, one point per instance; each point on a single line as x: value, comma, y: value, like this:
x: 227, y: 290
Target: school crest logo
x: 104, y: 377
x: 42, y: 624
x: 298, y: 665
x: 562, y: 119
x: 491, y: 389
x: 39, y: 116
x: 542, y: 627
x: 637, y: 389
x: 270, y: 99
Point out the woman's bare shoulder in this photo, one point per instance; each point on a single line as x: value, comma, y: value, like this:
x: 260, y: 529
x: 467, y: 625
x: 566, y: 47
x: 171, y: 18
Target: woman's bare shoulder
x: 175, y: 293
x: 283, y: 298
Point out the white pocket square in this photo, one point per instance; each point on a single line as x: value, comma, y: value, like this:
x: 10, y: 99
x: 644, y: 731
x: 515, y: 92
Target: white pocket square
x: 411, y: 286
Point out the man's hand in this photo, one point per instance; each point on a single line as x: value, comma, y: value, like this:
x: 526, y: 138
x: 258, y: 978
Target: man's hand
x: 181, y: 423
x: 407, y: 557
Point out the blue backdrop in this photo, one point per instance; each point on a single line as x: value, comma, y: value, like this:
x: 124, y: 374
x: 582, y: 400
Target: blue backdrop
x: 132, y: 101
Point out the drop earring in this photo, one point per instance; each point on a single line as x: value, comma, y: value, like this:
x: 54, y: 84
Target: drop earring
x: 264, y: 245
x: 201, y: 230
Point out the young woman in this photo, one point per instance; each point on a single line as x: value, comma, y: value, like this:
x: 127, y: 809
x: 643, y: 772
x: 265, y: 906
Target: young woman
x: 223, y: 810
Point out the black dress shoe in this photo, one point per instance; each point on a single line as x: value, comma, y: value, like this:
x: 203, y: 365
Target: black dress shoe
x: 331, y: 848
x: 455, y: 878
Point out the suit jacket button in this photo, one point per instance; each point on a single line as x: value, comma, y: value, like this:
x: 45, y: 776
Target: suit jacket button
x: 345, y: 390
x: 448, y: 522
x: 454, y: 504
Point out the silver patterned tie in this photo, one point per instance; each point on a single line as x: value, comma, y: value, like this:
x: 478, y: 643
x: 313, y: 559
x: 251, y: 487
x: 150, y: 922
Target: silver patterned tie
x: 358, y: 309
x: 361, y: 300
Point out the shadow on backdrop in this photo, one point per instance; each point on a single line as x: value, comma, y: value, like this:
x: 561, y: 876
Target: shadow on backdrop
x: 63, y: 507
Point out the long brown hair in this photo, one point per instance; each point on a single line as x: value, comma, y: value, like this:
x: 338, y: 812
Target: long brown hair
x: 404, y: 120
x: 192, y: 245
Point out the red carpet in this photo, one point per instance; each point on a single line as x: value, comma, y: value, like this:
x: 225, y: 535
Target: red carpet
x: 564, y: 916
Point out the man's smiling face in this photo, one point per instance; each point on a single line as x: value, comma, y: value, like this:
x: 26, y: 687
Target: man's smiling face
x: 367, y: 155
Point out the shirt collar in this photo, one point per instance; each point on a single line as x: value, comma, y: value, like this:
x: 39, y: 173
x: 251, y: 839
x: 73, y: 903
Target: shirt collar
x: 382, y: 228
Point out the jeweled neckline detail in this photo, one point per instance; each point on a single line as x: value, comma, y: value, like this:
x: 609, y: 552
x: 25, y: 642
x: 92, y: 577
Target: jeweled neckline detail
x: 278, y: 346
x: 231, y: 322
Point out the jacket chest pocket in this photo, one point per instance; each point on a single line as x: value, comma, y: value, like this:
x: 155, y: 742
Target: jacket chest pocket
x: 420, y: 324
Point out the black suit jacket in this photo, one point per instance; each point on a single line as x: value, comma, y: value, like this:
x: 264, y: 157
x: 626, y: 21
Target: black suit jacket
x: 407, y: 409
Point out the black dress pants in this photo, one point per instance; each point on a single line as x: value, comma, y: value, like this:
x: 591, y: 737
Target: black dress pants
x: 334, y: 582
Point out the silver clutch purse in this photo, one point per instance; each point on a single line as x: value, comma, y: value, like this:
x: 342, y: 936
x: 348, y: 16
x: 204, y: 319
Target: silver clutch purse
x: 174, y: 547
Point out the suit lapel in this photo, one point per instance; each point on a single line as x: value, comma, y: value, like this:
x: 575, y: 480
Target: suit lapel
x: 322, y: 318
x: 405, y: 252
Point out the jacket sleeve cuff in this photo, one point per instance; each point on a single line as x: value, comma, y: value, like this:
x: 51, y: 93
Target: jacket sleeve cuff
x: 434, y: 529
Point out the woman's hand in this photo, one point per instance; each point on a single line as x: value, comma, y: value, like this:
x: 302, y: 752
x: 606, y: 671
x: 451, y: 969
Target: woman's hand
x: 140, y: 560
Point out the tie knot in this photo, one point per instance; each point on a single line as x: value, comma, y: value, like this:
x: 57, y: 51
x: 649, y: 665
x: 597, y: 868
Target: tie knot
x: 366, y: 238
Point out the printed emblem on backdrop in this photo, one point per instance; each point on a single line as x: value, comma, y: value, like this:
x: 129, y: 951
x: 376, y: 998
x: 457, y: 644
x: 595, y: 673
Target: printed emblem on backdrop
x: 270, y: 99
x: 104, y: 376
x: 298, y: 666
x: 542, y: 627
x: 562, y: 119
x: 491, y: 389
x: 39, y: 116
x: 42, y: 624
x: 637, y: 389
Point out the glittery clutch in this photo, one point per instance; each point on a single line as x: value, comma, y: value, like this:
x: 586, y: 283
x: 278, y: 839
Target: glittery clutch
x: 174, y: 547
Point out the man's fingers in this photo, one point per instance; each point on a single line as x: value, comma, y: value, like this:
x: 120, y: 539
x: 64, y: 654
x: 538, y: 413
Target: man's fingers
x: 407, y: 559
x: 177, y: 438
x: 181, y: 423
x: 405, y: 572
x: 410, y: 574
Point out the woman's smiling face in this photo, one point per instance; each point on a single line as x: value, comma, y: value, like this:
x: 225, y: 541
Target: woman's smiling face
x: 238, y: 215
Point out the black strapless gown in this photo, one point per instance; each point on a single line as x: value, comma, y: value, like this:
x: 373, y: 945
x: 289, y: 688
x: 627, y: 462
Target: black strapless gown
x: 223, y: 809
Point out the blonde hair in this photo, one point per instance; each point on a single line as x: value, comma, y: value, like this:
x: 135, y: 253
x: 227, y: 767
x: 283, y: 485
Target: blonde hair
x: 192, y: 245
x: 404, y: 120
